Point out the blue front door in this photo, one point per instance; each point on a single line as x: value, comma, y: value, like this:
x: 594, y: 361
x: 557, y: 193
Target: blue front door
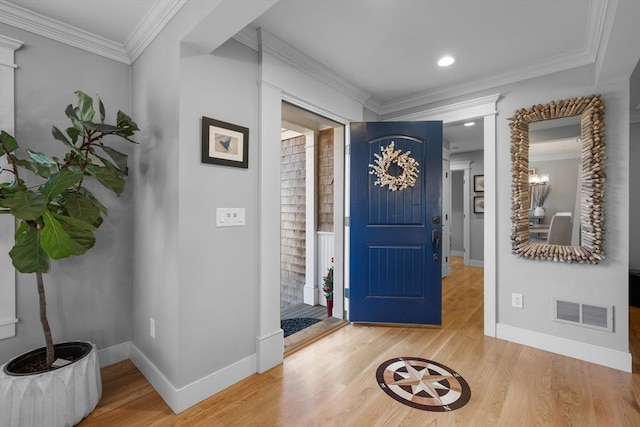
x: 395, y: 251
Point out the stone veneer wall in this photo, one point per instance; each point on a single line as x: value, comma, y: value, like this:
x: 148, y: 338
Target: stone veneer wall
x: 325, y: 180
x: 292, y: 221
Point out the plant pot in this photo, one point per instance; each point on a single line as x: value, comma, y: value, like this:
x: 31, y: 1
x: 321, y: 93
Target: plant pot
x: 538, y: 211
x: 329, y: 307
x: 60, y: 397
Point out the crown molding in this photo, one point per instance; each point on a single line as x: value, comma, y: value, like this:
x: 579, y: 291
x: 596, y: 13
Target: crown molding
x: 248, y: 37
x: 158, y: 16
x: 477, y: 107
x: 153, y: 22
x: 9, y: 43
x: 286, y: 53
x: 53, y: 29
x: 7, y: 48
x: 595, y: 29
x: 597, y: 19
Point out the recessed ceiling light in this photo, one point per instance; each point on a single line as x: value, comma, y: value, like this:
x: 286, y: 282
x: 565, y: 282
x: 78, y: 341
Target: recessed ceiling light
x: 469, y: 124
x: 447, y: 60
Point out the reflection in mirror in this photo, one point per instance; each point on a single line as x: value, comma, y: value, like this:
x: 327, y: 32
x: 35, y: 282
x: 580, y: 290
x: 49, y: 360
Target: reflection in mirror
x: 554, y: 180
x: 557, y: 164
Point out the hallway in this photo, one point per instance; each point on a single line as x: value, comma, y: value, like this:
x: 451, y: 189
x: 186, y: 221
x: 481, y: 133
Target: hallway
x: 333, y: 381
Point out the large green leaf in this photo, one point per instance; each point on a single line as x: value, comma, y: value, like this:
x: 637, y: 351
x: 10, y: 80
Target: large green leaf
x: 82, y: 208
x: 25, y: 204
x: 101, y: 127
x: 118, y: 157
x: 42, y: 165
x: 81, y: 233
x: 108, y: 177
x: 55, y: 240
x: 89, y: 195
x: 77, y: 124
x: 44, y: 172
x: 100, y: 109
x: 85, y: 106
x: 60, y: 181
x: 127, y: 126
x: 42, y: 159
x: 71, y: 222
x: 73, y: 133
x: 60, y: 137
x: 27, y: 254
x: 7, y: 143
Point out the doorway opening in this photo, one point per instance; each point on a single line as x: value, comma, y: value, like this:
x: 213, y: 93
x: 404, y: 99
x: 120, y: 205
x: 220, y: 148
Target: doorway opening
x: 307, y: 237
x: 466, y: 200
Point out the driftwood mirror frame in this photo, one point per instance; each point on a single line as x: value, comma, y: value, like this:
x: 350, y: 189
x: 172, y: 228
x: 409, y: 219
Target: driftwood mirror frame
x: 592, y: 181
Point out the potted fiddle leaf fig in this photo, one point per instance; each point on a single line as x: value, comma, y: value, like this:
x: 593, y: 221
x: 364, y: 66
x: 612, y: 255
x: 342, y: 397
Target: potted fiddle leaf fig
x: 56, y: 216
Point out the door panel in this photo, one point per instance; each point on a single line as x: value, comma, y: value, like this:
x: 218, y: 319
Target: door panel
x: 395, y: 260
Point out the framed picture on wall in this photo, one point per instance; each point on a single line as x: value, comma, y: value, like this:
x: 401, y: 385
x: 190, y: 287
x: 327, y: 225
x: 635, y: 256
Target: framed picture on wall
x: 478, y: 204
x: 478, y: 183
x: 224, y: 143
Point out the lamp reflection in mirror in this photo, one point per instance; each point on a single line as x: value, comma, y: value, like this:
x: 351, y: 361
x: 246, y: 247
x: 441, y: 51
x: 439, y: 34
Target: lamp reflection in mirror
x: 591, y: 249
x: 539, y: 179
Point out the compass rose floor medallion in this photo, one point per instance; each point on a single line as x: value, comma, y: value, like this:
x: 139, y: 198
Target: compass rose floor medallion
x: 423, y: 384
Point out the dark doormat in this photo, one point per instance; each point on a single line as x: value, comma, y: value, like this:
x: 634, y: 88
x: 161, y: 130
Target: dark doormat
x: 291, y: 326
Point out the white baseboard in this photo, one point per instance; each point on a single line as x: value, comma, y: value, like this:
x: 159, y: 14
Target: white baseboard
x: 183, y: 398
x: 578, y: 350
x: 476, y: 263
x: 270, y: 350
x: 114, y: 354
x: 457, y: 253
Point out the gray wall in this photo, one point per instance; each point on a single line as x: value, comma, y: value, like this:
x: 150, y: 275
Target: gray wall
x: 88, y: 297
x: 605, y: 283
x: 634, y: 197
x: 197, y: 281
x: 457, y: 211
x: 634, y: 175
x: 476, y: 220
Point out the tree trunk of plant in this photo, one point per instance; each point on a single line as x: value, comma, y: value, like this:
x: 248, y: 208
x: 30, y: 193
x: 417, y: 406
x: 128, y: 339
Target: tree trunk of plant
x: 43, y: 319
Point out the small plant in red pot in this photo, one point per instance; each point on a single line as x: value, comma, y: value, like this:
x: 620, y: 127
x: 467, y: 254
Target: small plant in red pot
x: 327, y: 288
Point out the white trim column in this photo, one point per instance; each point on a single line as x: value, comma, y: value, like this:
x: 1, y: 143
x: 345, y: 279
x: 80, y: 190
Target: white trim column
x: 270, y: 339
x: 490, y: 225
x: 8, y: 318
x: 311, y: 290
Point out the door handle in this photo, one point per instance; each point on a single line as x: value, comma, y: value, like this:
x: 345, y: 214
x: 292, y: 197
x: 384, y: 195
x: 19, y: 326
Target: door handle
x: 436, y: 237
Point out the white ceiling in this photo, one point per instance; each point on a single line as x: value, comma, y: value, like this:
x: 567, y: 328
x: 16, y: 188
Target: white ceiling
x: 387, y: 49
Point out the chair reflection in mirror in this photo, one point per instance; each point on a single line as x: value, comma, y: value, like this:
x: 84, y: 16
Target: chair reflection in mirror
x: 560, y: 229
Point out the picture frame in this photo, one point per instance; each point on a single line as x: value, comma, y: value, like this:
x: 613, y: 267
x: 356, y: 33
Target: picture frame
x: 224, y: 143
x: 478, y: 204
x: 478, y: 183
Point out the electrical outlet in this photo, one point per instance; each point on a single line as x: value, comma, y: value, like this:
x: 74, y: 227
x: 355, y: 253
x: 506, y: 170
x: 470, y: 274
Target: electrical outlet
x: 152, y: 327
x: 516, y: 300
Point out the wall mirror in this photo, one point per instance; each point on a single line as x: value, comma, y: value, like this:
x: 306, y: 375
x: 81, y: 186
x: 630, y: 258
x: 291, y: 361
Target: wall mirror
x: 557, y: 166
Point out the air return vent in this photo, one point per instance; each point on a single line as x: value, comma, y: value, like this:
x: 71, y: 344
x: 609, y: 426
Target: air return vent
x: 581, y: 314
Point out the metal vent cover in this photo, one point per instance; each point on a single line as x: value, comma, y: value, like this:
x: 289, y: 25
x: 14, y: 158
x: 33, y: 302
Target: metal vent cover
x: 582, y: 314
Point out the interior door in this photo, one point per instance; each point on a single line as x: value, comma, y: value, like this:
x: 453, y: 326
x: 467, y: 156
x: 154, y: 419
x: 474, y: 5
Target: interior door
x: 395, y: 236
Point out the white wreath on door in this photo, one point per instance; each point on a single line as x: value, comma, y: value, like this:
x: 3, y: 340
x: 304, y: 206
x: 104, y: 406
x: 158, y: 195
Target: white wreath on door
x: 407, y: 178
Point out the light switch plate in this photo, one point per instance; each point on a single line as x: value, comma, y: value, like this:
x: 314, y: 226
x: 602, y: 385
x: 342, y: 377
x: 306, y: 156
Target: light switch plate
x: 230, y: 217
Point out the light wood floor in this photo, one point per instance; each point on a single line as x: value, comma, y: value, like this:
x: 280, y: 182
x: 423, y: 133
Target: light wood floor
x: 332, y: 382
